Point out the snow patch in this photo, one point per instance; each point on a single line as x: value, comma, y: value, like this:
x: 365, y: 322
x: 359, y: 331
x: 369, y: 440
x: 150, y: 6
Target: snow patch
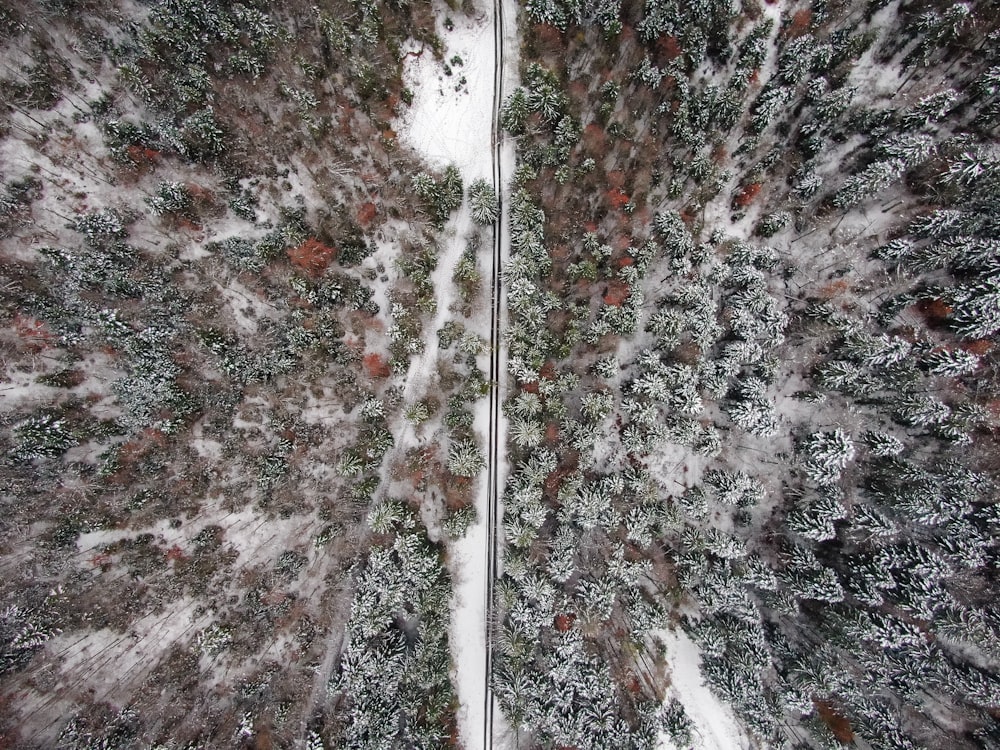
x: 715, y: 726
x: 444, y: 125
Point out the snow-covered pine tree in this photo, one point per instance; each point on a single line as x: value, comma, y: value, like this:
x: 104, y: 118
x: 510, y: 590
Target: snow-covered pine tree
x: 483, y: 202
x: 465, y: 459
x: 41, y: 436
x: 826, y: 454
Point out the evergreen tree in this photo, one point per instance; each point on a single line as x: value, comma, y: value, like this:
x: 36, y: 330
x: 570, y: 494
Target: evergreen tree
x: 515, y: 112
x: 753, y: 412
x: 826, y: 455
x: 41, y: 436
x: 171, y: 198
x: 465, y: 459
x: 735, y: 488
x: 483, y: 202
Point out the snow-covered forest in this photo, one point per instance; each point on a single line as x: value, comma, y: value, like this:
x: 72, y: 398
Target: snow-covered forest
x: 595, y: 375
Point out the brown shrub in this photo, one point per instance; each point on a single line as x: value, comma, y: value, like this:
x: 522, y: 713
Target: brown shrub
x: 979, y: 347
x: 375, y: 365
x: 747, y: 195
x: 564, y: 622
x: 367, y: 213
x: 34, y: 335
x: 595, y: 139
x: 839, y: 726
x: 616, y: 293
x: 935, y: 311
x: 669, y: 47
x: 617, y: 198
x: 312, y: 256
x: 799, y: 24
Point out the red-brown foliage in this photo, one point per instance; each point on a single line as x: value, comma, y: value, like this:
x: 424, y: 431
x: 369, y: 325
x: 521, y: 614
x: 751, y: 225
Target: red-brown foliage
x: 617, y: 198
x: 979, y: 347
x: 634, y: 686
x: 935, y: 311
x: 747, y: 194
x: 561, y: 252
x: 839, y: 726
x: 135, y: 450
x: 143, y: 157
x: 457, y: 490
x: 595, y: 139
x: 578, y: 89
x: 33, y: 333
x: 552, y: 483
x: 375, y: 366
x: 642, y: 216
x: 833, y: 289
x: 616, y: 293
x: 564, y: 622
x: 200, y: 194
x: 800, y: 23
x: 367, y: 213
x: 669, y: 47
x: 188, y: 225
x: 312, y: 256
x: 621, y: 243
x: 548, y: 35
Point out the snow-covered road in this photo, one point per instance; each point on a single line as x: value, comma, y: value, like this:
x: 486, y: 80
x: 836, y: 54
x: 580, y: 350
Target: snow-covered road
x: 713, y: 724
x: 451, y: 121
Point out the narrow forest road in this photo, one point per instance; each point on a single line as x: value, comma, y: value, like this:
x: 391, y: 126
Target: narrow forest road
x: 454, y: 120
x: 496, y: 448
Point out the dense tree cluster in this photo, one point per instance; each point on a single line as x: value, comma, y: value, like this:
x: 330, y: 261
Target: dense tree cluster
x: 754, y: 299
x: 199, y: 358
x: 835, y: 520
x: 394, y: 668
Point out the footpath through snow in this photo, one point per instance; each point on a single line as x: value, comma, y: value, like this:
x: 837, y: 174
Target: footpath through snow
x: 714, y: 726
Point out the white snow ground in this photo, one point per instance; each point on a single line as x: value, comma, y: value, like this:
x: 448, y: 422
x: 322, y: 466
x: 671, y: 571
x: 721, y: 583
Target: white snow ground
x: 445, y: 127
x: 715, y: 727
